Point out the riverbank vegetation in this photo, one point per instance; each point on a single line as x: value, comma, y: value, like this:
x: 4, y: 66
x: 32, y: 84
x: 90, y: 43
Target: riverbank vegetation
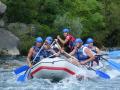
x: 86, y: 18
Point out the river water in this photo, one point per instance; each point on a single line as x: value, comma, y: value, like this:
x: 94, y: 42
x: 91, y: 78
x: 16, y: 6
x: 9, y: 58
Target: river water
x: 8, y: 78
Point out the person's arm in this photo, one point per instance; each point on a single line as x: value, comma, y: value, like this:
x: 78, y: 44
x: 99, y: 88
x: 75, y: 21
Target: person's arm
x: 62, y: 41
x: 71, y: 58
x: 90, y: 55
x: 29, y: 57
x: 66, y: 54
x: 98, y: 50
x: 73, y: 52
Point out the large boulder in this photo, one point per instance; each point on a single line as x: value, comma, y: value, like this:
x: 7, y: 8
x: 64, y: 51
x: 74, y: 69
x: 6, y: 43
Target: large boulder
x: 8, y: 43
x: 3, y: 8
x: 18, y: 28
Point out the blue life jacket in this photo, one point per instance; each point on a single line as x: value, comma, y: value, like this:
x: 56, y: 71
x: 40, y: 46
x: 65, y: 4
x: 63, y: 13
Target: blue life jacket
x: 79, y: 54
x: 94, y: 51
x: 97, y: 58
x: 47, y: 53
x: 39, y: 56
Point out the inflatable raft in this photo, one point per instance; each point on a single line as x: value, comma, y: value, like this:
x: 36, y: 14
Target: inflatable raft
x: 56, y: 69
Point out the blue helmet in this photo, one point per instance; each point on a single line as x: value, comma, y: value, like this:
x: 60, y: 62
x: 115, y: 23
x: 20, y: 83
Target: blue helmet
x: 66, y: 30
x: 89, y: 40
x: 78, y: 40
x: 39, y: 40
x: 49, y: 42
x: 49, y: 38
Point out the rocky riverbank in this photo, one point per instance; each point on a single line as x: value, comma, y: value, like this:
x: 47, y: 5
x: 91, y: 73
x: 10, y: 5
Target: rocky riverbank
x: 8, y: 43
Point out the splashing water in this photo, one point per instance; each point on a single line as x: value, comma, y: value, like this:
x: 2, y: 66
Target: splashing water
x: 8, y: 78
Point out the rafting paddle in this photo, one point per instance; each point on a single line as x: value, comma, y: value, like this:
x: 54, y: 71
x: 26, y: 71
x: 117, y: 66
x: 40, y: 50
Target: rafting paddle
x: 23, y: 77
x: 26, y: 67
x: 98, y: 72
x: 113, y: 64
x: 21, y: 69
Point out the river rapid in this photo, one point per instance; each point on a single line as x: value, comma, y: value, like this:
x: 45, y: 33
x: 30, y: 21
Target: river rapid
x: 8, y: 78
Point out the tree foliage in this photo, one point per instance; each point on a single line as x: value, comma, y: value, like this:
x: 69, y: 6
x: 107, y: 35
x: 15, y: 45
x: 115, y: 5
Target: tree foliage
x: 86, y: 18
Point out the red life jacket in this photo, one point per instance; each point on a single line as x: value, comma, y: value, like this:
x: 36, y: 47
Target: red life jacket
x: 70, y: 42
x: 72, y: 38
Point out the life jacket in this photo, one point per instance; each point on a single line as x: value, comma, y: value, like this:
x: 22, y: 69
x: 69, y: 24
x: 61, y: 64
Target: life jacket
x: 80, y: 54
x: 97, y: 58
x: 39, y: 56
x: 71, y: 41
x: 47, y: 53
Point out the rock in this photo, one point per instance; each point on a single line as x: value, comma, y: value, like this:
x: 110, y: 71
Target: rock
x: 3, y: 8
x: 21, y: 28
x: 8, y: 43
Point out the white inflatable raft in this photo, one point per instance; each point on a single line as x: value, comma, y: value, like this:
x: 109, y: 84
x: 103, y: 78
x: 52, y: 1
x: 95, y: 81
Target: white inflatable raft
x: 56, y: 68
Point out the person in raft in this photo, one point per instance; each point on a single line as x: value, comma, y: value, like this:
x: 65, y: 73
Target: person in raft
x: 68, y: 43
x: 83, y: 54
x: 45, y: 52
x: 91, y: 46
x: 33, y: 52
x: 94, y: 49
x: 48, y: 50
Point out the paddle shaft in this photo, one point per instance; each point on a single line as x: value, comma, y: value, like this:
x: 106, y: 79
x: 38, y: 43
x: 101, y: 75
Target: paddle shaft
x: 28, y: 71
x: 41, y: 49
x: 52, y: 43
x: 38, y: 52
x: 23, y: 77
x: 72, y: 56
x: 98, y: 72
x: 104, y: 58
x: 23, y: 68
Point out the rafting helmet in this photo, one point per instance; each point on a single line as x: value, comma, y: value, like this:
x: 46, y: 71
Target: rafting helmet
x: 49, y: 38
x: 39, y: 40
x: 49, y: 42
x: 66, y: 30
x: 78, y: 40
x: 89, y: 40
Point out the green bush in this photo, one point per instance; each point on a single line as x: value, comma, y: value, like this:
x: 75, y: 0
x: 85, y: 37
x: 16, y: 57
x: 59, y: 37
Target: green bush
x: 26, y: 42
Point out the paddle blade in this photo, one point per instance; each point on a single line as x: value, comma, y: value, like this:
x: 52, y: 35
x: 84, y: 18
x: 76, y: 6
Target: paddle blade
x: 21, y: 69
x: 102, y: 74
x: 25, y: 76
x: 114, y: 65
x: 21, y: 78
